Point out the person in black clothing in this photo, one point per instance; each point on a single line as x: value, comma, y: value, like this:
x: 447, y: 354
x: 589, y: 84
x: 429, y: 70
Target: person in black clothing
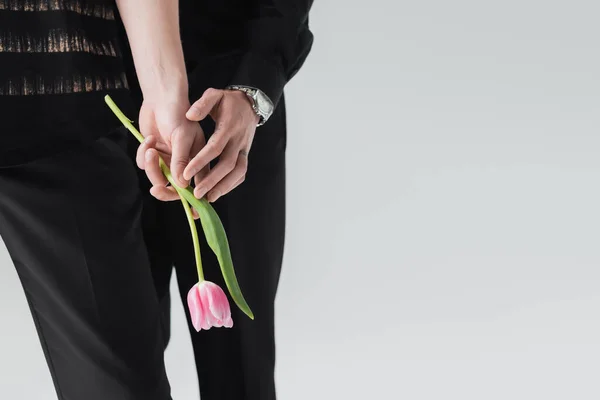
x: 238, y: 55
x: 70, y: 202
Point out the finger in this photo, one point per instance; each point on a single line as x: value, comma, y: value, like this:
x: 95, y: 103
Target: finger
x: 238, y: 183
x: 199, y: 144
x: 201, y: 175
x: 164, y: 193
x: 140, y: 157
x: 227, y: 163
x: 159, y: 189
x: 213, y: 149
x: 155, y: 143
x: 155, y: 174
x: 163, y: 149
x: 195, y: 213
x: 182, y: 140
x: 203, y: 106
x: 231, y: 180
x: 147, y: 122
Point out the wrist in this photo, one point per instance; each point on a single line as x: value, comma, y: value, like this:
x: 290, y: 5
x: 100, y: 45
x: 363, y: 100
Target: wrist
x: 167, y: 96
x: 248, y: 101
x: 162, y: 88
x: 261, y: 104
x: 167, y: 113
x: 168, y: 99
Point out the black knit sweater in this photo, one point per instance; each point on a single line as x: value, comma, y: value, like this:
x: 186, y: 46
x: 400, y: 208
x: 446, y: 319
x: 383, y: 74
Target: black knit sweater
x: 58, y: 58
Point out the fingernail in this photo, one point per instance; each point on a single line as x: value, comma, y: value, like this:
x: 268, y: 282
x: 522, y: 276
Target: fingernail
x: 148, y: 155
x: 214, y: 196
x: 200, y: 192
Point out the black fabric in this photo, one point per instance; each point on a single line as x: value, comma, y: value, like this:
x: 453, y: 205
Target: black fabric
x: 70, y: 203
x: 271, y: 38
x: 257, y: 43
x: 58, y: 59
x: 237, y: 363
x: 72, y: 226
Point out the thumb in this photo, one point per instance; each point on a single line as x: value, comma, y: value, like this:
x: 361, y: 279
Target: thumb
x: 203, y: 106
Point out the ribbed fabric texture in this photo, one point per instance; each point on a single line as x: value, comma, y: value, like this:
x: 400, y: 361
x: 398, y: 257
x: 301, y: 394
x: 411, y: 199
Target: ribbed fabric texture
x: 58, y: 58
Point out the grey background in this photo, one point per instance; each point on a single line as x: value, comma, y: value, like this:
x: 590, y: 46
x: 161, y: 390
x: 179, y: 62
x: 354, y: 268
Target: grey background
x: 443, y: 222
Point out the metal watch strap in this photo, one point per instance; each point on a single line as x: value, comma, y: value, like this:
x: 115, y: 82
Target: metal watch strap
x: 251, y: 93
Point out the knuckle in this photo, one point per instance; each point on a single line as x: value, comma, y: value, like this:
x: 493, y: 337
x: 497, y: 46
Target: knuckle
x: 181, y: 162
x: 229, y: 163
x: 221, y: 125
x: 240, y: 170
x: 210, y: 92
x: 243, y: 162
x: 178, y: 133
x: 175, y: 135
x: 217, y: 143
x: 209, y: 183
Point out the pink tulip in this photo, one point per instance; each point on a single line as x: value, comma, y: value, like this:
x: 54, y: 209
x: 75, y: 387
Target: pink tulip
x: 209, y: 306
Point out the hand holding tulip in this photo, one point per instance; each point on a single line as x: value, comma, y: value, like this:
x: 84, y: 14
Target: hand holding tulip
x: 235, y: 127
x: 207, y: 301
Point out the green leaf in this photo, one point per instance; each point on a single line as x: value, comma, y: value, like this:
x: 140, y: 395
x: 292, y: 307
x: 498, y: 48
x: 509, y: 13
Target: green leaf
x: 217, y: 240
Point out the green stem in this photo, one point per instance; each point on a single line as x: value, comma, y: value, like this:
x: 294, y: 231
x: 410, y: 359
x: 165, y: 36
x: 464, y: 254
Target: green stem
x: 190, y: 218
x: 124, y: 120
x: 188, y: 212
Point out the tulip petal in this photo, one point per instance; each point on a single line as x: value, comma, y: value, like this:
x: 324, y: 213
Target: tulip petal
x: 217, y: 302
x: 197, y: 312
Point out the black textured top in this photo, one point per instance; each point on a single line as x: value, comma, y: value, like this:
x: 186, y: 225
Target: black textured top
x: 58, y: 58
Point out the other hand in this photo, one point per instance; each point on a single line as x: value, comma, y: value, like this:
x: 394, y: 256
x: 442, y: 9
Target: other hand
x: 235, y: 125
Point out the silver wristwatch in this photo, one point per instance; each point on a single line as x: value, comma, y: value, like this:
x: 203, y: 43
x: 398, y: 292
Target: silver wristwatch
x: 261, y: 104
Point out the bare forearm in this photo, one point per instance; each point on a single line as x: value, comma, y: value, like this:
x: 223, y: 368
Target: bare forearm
x: 153, y: 32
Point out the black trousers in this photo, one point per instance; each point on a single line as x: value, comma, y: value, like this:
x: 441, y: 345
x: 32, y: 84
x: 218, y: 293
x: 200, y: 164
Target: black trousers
x: 237, y: 363
x: 72, y: 225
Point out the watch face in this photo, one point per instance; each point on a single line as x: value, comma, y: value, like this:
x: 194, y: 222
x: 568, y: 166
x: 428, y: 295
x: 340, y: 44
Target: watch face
x: 263, y: 103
